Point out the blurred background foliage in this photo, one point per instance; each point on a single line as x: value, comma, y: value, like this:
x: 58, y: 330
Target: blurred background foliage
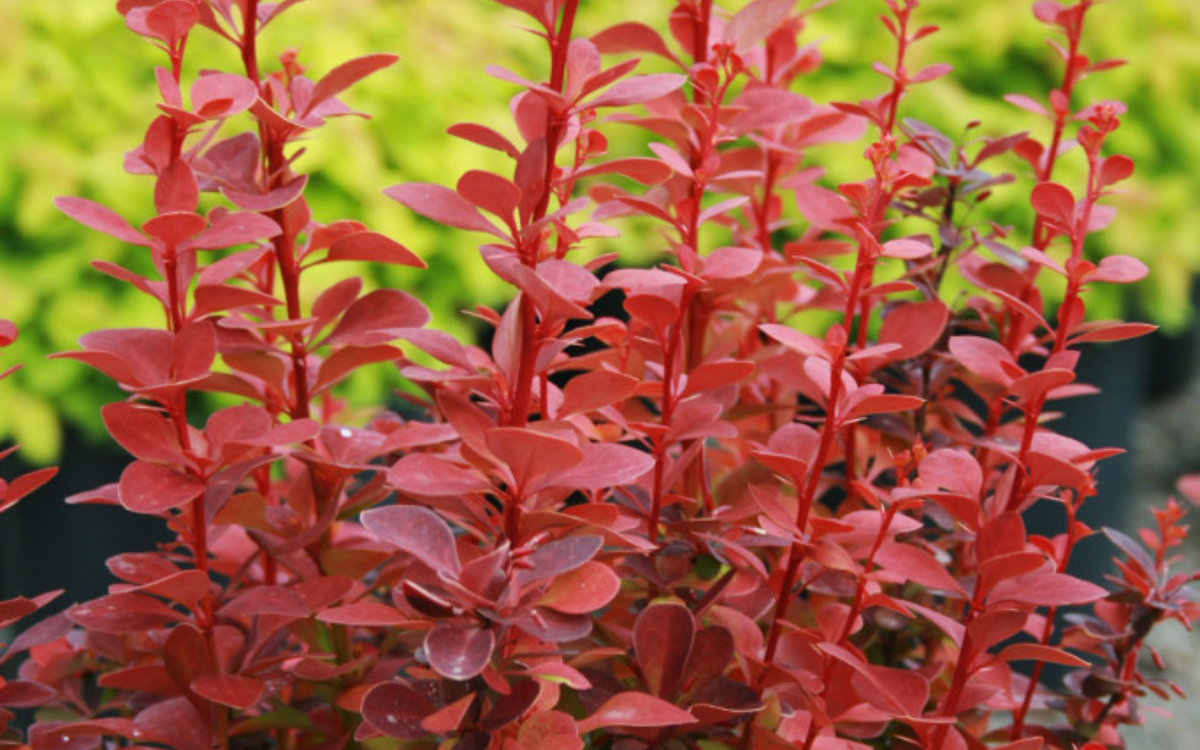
x: 77, y: 91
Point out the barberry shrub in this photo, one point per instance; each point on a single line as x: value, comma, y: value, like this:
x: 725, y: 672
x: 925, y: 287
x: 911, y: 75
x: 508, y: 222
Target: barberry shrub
x: 666, y: 507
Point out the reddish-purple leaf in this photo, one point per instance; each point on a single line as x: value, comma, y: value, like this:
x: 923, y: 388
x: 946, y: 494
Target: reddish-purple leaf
x: 509, y: 708
x: 583, y: 590
x: 459, y: 651
x: 267, y: 600
x: 25, y: 694
x: 634, y: 709
x: 443, y: 206
x: 397, y: 709
x: 418, y: 531
x: 123, y: 613
x: 549, y: 730
x: 558, y: 557
x: 235, y: 691
x: 366, y: 613
x: 915, y: 326
x: 346, y: 75
x: 154, y: 489
x: 347, y: 359
x: 662, y: 643
x: 98, y: 217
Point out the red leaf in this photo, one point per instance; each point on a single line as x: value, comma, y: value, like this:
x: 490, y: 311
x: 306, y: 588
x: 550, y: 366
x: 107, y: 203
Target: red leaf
x: 640, y: 169
x: 917, y: 565
x: 637, y: 89
x: 25, y: 694
x: 490, y: 192
x: 443, y: 206
x: 982, y: 357
x: 1120, y: 269
x: 23, y: 485
x: 95, y: 216
x: 8, y: 332
x: 235, y: 228
x: 634, y: 709
x: 418, y: 531
x: 459, y: 652
x: 267, y: 600
x: 222, y: 95
x: 662, y: 642
x: 530, y: 455
x: 906, y: 249
x: 235, y: 691
x: 1024, y: 102
x: 373, y: 319
x: 930, y: 72
x: 397, y: 709
x: 374, y: 247
x: 172, y: 20
x: 366, y: 613
x: 1038, y: 652
x: 346, y: 75
x: 426, y: 475
x: 1055, y: 204
x: 603, y: 465
x: 1112, y: 331
x: 558, y: 557
x: 173, y: 229
x: 350, y: 358
x: 583, y: 590
x: 595, y: 390
x: 712, y: 375
x: 176, y: 189
x: 767, y: 107
x: 483, y: 136
x: 823, y: 208
x: 731, y: 263
x: 632, y: 37
x: 151, y: 488
x: 952, y: 469
x: 550, y: 730
x: 1046, y: 590
x: 1116, y: 168
x: 123, y: 613
x: 142, y: 431
x: 755, y: 22
x: 915, y: 326
x: 273, y: 200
